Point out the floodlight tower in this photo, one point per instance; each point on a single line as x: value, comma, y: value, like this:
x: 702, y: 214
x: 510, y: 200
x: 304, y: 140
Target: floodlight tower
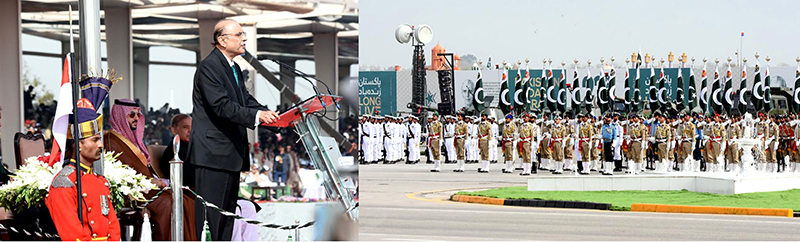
x: 419, y: 36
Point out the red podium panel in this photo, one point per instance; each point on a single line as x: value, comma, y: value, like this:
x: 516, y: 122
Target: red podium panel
x: 308, y: 106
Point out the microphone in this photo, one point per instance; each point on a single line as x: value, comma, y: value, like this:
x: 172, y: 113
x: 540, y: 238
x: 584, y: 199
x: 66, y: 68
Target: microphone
x: 305, y: 77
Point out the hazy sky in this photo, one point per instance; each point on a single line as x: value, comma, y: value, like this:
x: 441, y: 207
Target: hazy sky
x: 565, y: 30
x: 166, y: 82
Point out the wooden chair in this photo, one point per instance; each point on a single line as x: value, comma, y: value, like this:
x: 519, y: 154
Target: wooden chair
x: 27, y: 145
x: 156, y: 152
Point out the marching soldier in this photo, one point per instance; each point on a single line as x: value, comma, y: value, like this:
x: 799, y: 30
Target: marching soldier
x: 794, y: 153
x: 786, y: 134
x: 638, y: 133
x: 585, y: 137
x: 378, y: 140
x: 618, y: 141
x: 414, y: 134
x: 536, y: 136
x: 716, y: 137
x: 484, y: 133
x: 526, y: 137
x: 569, y: 143
x: 449, y: 139
x: 546, y: 152
x: 770, y: 131
x: 608, y: 132
x: 559, y: 132
x: 460, y: 136
x: 469, y: 138
x: 366, y: 142
x: 661, y: 138
x: 434, y: 141
x: 494, y: 137
x: 597, y: 145
x: 520, y: 122
x: 686, y: 131
x: 509, y: 129
x: 734, y: 131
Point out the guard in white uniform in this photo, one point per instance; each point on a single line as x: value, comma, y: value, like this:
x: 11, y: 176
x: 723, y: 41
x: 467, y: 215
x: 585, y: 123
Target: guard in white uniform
x: 494, y: 137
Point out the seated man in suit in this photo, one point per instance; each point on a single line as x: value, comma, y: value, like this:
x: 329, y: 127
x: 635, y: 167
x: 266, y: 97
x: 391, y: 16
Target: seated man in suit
x: 126, y: 137
x: 181, y: 125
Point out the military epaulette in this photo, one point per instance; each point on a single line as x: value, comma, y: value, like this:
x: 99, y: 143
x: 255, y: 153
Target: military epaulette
x: 62, y: 179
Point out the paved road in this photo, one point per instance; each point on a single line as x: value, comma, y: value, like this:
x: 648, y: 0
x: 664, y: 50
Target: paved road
x: 407, y: 202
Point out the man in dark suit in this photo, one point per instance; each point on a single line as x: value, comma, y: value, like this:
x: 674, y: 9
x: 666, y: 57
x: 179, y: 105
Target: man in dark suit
x: 223, y: 109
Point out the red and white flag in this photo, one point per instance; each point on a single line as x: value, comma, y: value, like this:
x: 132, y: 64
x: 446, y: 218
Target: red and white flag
x: 63, y: 110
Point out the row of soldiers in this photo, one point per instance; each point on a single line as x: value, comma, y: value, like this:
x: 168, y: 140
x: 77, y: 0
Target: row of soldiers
x: 664, y: 143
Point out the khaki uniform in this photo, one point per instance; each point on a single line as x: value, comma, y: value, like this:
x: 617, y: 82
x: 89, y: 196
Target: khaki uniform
x: 707, y: 133
x: 461, y: 132
x: 597, y: 150
x: 793, y: 150
x: 732, y: 150
x: 435, y: 139
x: 559, y: 132
x: 585, y: 134
x: 508, y: 141
x: 673, y: 131
x: 662, y: 137
x: 483, y: 135
x: 716, y: 136
x: 545, y: 150
x: 568, y: 149
x: 526, y: 136
x: 638, y: 133
x: 686, y: 131
x: 770, y: 130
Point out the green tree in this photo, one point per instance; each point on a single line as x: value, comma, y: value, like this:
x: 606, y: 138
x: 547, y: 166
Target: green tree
x: 43, y: 96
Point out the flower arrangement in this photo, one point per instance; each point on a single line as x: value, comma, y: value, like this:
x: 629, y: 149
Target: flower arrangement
x: 124, y: 183
x: 29, y: 186
x: 31, y: 183
x: 299, y: 199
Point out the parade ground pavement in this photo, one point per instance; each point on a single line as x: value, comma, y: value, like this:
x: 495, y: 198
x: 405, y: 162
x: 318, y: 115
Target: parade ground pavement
x: 408, y: 202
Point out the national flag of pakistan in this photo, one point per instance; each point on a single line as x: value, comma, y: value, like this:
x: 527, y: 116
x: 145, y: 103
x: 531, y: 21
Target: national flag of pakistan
x: 602, y: 92
x: 767, y: 90
x: 588, y: 83
x: 757, y: 99
x: 653, y: 91
x: 551, y: 88
x: 662, y: 89
x: 577, y: 102
x: 692, y: 100
x: 562, y: 92
x: 519, y: 102
x: 477, y: 95
x: 728, y: 97
x: 679, y: 97
x: 796, y: 95
x: 704, y: 90
x: 506, y: 104
x: 742, y: 90
x: 716, y: 93
x: 636, y: 94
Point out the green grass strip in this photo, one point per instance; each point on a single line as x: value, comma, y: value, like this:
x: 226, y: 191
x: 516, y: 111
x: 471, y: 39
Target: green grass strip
x: 622, y: 200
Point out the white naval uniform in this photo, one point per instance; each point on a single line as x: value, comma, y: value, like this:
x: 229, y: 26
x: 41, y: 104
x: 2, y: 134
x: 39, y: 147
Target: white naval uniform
x: 413, y: 142
x: 449, y: 142
x: 377, y: 140
x: 494, y: 137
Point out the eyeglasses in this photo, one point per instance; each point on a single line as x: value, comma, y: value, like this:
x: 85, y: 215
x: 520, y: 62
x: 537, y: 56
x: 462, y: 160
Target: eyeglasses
x: 239, y: 34
x: 133, y: 114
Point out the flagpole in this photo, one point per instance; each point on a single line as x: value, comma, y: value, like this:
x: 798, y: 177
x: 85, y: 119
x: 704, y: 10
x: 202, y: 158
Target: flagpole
x: 76, y: 130
x: 90, y: 51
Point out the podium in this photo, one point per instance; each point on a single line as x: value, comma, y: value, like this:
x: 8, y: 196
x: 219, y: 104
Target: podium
x: 323, y: 150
